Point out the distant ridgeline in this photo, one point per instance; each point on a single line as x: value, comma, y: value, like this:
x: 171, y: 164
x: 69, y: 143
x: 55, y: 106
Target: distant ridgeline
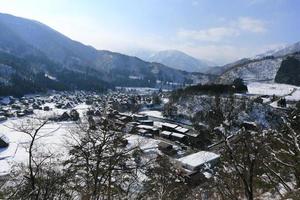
x: 19, y: 76
x: 289, y: 71
x: 237, y: 86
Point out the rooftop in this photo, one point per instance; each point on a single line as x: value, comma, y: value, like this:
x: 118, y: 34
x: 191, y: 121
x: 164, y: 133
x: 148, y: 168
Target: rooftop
x: 198, y: 159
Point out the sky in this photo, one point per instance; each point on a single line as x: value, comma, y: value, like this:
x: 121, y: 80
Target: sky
x: 217, y: 30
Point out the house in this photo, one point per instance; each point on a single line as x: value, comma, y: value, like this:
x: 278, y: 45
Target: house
x: 166, y: 148
x: 181, y: 130
x: 20, y: 114
x: 195, y: 161
x: 90, y: 113
x: 165, y: 134
x: 151, y: 129
x: 3, y: 141
x: 249, y: 125
x: 36, y: 106
x: 281, y: 103
x: 98, y: 113
x: 46, y: 108
x: 128, y: 116
x: 9, y: 114
x: 146, y: 122
x: 74, y: 115
x: 140, y: 117
x: 169, y: 127
x: 28, y: 111
x: 68, y: 105
x: 179, y: 137
x: 143, y: 132
x: 64, y: 117
x: 16, y: 107
x: 2, y: 118
x: 92, y: 123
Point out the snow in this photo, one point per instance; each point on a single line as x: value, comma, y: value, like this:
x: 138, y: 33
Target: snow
x: 295, y: 96
x: 5, y: 167
x: 290, y: 92
x: 270, y: 88
x: 5, y: 100
x: 143, y: 142
x: 50, y: 77
x: 55, y: 135
x: 262, y: 70
x: 178, y: 135
x: 181, y: 129
x: 169, y: 125
x: 165, y: 133
x: 193, y: 161
x: 152, y: 113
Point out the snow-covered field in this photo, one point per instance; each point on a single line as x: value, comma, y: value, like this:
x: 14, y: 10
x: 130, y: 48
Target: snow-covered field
x: 275, y: 89
x: 53, y: 137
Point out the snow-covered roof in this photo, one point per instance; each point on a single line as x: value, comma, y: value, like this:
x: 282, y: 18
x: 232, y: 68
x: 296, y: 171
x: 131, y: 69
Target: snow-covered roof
x: 166, y: 133
x: 146, y: 127
x: 194, y: 161
x: 181, y: 129
x: 178, y: 135
x: 4, y: 138
x: 170, y: 125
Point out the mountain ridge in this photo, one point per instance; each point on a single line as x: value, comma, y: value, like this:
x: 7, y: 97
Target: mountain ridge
x: 25, y: 37
x: 260, y: 68
x: 176, y: 59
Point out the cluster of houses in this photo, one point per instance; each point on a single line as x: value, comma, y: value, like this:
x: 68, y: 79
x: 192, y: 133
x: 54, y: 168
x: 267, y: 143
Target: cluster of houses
x: 116, y: 107
x: 170, y: 135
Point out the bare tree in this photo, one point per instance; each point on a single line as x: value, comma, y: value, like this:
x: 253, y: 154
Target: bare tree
x: 285, y: 149
x: 101, y: 164
x: 40, y: 177
x: 164, y: 181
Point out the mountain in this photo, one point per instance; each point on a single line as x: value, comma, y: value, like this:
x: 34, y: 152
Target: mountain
x: 289, y: 71
x: 26, y: 39
x: 263, y: 67
x: 177, y: 60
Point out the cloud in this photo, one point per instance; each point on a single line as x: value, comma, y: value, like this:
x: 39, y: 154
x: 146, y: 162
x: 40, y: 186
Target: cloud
x: 211, y: 35
x: 233, y: 29
x: 251, y: 25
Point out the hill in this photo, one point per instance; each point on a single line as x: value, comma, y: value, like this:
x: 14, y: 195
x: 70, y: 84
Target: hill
x: 26, y: 39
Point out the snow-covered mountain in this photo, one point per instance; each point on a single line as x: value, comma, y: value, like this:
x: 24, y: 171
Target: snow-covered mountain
x: 288, y: 50
x: 28, y: 39
x: 280, y: 51
x: 177, y: 60
x: 263, y: 67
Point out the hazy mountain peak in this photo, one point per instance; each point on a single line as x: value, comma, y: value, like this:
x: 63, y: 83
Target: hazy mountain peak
x: 176, y: 59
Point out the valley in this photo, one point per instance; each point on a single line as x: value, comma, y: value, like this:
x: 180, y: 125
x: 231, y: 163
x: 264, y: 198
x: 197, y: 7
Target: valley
x: 192, y: 100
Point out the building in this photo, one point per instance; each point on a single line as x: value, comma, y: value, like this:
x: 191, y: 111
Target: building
x: 3, y: 141
x: 150, y: 129
x: 181, y: 130
x: 196, y: 161
x: 147, y: 122
x: 166, y: 148
x: 169, y: 127
x: 166, y: 134
x: 179, y: 137
x: 140, y: 117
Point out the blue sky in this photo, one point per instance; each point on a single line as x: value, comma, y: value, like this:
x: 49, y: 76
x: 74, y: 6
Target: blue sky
x: 216, y: 30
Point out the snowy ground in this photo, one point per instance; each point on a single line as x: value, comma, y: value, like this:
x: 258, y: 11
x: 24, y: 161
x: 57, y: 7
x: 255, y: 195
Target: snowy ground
x: 54, y: 137
x: 275, y: 89
x: 146, y: 144
x: 153, y: 113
